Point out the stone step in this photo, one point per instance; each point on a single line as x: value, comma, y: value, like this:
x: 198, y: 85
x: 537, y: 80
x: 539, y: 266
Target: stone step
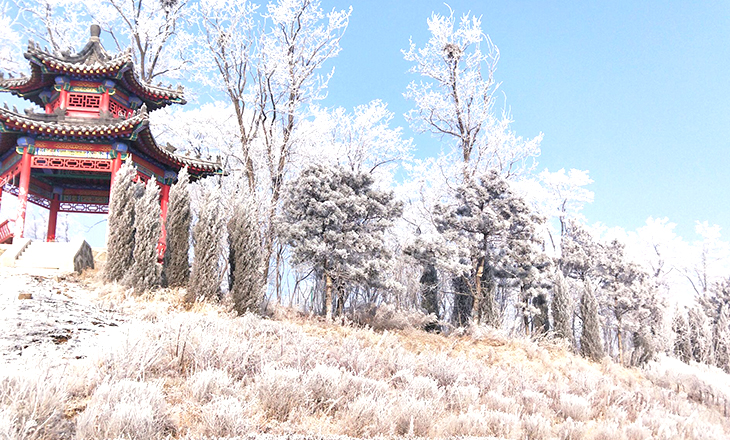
x: 72, y: 256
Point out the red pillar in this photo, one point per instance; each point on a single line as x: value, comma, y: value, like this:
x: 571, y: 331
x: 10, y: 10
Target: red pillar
x: 63, y: 99
x: 116, y: 164
x: 24, y: 186
x: 164, y: 201
x: 104, y: 104
x: 52, y: 217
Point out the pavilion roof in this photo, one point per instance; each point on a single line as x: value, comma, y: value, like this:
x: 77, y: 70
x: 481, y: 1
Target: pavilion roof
x: 106, y: 130
x: 92, y: 62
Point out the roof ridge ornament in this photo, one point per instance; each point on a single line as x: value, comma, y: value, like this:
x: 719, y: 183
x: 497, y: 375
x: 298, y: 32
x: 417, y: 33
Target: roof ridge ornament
x: 95, y: 32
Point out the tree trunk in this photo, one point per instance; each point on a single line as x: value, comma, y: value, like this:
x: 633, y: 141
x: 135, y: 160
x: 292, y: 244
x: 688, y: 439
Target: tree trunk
x: 476, y: 314
x: 620, y: 345
x: 327, y: 297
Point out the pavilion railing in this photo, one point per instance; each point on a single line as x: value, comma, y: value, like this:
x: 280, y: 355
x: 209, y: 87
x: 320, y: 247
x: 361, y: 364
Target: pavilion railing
x: 6, y: 231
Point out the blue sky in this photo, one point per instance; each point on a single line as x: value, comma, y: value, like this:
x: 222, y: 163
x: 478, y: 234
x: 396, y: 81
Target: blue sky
x: 635, y: 92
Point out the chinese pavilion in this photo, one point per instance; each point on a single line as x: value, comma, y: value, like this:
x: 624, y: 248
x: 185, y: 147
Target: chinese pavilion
x: 95, y: 116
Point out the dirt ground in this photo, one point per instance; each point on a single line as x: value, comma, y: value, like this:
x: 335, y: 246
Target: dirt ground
x: 47, y: 317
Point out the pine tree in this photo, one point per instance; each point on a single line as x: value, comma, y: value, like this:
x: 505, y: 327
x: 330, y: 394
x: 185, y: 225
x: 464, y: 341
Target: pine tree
x: 494, y: 229
x: 205, y: 275
x: 335, y: 222
x: 245, y: 257
x: 590, y: 340
x: 177, y: 226
x: 682, y: 340
x: 145, y: 272
x: 562, y: 308
x: 120, y: 238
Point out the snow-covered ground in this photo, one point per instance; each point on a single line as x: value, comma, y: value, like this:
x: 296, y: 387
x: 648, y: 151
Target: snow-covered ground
x: 49, y: 318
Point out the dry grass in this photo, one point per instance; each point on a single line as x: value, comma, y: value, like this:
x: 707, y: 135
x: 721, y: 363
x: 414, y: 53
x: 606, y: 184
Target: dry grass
x: 202, y: 372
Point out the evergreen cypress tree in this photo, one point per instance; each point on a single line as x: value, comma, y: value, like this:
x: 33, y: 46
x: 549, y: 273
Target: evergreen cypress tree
x: 590, y: 340
x: 120, y: 236
x: 204, y: 277
x: 246, y: 257
x: 682, y: 342
x: 145, y: 272
x: 698, y: 337
x: 562, y: 309
x: 177, y: 226
x: 721, y: 336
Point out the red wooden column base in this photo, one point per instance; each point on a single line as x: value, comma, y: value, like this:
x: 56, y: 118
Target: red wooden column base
x: 52, y: 217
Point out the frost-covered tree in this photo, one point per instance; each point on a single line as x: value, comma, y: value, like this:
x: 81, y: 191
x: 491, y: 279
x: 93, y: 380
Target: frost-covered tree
x: 699, y: 338
x: 205, y: 275
x: 491, y: 227
x: 334, y: 221
x: 562, y: 308
x: 227, y: 63
x: 145, y: 272
x: 623, y: 283
x: 591, y: 345
x: 59, y: 24
x: 682, y: 340
x: 429, y: 292
x: 120, y: 236
x: 454, y: 99
x: 10, y: 55
x: 268, y: 65
x: 177, y: 228
x: 245, y: 256
x: 715, y: 304
x: 721, y: 338
x: 151, y: 29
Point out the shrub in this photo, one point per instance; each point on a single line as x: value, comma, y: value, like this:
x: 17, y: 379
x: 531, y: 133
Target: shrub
x: 205, y: 385
x: 366, y: 416
x: 571, y: 406
x: 225, y: 417
x: 129, y: 409
x: 279, y: 391
x: 31, y: 407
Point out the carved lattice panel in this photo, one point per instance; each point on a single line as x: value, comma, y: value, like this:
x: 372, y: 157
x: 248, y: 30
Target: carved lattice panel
x: 66, y: 163
x: 84, y: 100
x: 118, y: 110
x: 90, y: 208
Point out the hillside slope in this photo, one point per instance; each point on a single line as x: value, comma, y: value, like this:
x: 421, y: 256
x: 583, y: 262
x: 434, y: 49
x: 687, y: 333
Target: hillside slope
x: 85, y: 360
